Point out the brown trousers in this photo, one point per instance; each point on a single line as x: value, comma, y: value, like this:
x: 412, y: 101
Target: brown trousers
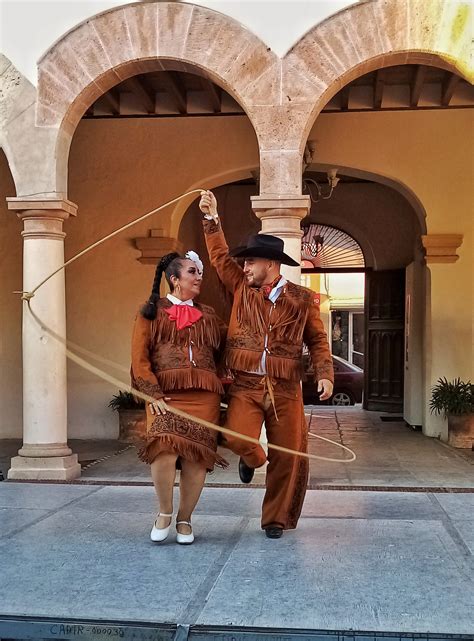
x: 287, y: 475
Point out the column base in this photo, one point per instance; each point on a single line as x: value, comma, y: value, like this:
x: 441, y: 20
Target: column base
x: 44, y: 450
x: 57, y: 468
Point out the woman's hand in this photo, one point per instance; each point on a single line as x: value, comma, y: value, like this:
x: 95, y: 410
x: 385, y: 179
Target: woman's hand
x: 208, y: 204
x: 159, y: 407
x: 325, y: 389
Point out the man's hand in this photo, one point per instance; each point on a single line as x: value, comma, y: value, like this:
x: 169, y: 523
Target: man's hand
x: 159, y: 407
x: 325, y: 388
x: 208, y: 205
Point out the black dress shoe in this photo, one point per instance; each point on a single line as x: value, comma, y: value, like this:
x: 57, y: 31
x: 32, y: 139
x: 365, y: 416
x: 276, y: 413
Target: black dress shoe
x: 245, y: 472
x: 274, y: 532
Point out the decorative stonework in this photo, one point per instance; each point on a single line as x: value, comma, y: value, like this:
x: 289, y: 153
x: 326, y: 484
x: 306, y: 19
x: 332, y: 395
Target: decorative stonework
x: 372, y: 35
x: 117, y: 44
x: 42, y: 218
x: 441, y: 248
x: 281, y: 215
x: 282, y: 97
x: 155, y: 246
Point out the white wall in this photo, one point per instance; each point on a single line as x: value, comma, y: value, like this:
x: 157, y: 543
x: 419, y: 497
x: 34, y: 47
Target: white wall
x: 28, y: 28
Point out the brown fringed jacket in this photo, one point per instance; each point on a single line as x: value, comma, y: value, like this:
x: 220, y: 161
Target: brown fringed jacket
x: 161, y: 357
x: 293, y: 320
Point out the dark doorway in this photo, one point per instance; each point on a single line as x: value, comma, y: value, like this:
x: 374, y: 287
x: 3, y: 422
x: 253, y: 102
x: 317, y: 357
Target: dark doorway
x: 385, y: 317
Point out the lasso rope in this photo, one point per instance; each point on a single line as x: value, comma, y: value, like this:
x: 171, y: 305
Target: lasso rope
x: 27, y: 296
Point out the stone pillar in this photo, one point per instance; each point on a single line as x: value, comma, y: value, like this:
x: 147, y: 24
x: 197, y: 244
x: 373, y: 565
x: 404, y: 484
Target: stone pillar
x: 448, y: 330
x: 281, y: 216
x: 45, y: 453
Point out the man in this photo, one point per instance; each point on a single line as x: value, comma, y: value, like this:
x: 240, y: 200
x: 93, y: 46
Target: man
x: 271, y: 319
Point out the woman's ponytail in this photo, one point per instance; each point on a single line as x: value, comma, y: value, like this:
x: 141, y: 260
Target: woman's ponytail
x: 148, y: 310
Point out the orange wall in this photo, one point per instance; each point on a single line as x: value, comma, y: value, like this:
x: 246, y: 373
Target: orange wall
x: 10, y: 311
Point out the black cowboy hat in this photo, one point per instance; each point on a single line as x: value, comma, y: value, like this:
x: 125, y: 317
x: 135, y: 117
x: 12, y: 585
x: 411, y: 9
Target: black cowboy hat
x: 264, y: 246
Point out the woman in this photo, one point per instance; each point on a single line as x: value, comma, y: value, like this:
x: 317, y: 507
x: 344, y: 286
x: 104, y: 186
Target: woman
x: 174, y: 348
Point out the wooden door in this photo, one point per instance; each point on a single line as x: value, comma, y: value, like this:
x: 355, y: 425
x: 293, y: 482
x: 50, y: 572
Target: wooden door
x: 385, y: 334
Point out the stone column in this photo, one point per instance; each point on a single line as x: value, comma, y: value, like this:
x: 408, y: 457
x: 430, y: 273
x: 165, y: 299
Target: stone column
x: 45, y: 453
x: 448, y: 329
x: 281, y: 216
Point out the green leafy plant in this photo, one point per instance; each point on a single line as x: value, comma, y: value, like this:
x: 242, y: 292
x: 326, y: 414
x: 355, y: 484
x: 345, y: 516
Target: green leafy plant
x: 452, y: 397
x: 126, y: 401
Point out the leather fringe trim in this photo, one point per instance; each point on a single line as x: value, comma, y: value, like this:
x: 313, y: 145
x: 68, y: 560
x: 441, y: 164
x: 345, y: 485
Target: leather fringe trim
x: 242, y: 360
x: 287, y: 318
x: 277, y: 367
x: 204, y: 332
x: 190, y: 378
x: 290, y: 320
x: 286, y: 368
x: 184, y: 448
x: 251, y: 310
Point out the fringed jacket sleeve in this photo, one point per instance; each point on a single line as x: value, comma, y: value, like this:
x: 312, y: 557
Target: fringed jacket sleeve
x: 227, y: 269
x: 316, y: 339
x: 143, y: 377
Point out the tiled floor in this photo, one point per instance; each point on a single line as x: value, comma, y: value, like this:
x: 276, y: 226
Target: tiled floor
x: 389, y: 454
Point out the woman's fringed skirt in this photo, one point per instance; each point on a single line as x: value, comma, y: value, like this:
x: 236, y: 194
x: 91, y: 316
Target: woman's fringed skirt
x: 184, y: 437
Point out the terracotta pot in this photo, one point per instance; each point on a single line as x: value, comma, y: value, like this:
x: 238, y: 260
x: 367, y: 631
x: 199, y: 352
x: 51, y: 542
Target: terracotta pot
x: 461, y: 430
x: 132, y: 425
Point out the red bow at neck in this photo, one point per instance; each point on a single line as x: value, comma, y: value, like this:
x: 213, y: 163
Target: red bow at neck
x: 267, y: 289
x: 183, y: 315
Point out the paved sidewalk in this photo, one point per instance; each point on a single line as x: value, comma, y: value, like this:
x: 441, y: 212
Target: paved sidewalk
x: 379, y: 561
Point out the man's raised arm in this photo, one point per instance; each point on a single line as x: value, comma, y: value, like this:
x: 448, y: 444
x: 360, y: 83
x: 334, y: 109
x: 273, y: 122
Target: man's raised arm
x: 227, y: 269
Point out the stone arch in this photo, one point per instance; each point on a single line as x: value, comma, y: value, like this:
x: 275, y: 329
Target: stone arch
x: 5, y: 155
x: 124, y: 41
x: 17, y: 96
x: 352, y: 228
x: 388, y: 181
x: 368, y: 36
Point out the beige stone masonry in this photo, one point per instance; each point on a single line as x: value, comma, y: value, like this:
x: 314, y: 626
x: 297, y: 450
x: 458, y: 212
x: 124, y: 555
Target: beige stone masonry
x: 281, y: 216
x: 372, y: 35
x: 441, y: 248
x: 42, y: 219
x: 281, y: 207
x: 282, y: 97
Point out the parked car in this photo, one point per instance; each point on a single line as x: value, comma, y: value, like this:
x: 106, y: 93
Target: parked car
x: 348, y: 383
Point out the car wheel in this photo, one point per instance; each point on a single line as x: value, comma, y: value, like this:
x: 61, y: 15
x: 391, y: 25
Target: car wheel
x: 342, y: 398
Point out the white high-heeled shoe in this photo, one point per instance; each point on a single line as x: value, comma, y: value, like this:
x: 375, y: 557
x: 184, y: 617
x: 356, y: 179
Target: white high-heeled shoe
x: 184, y: 539
x: 160, y: 534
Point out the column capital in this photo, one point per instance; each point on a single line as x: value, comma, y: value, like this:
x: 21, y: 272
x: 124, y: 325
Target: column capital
x: 281, y: 205
x: 441, y: 248
x: 42, y: 218
x: 55, y: 206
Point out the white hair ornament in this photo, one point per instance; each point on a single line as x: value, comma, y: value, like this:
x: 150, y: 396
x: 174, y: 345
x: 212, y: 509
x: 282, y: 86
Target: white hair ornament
x: 192, y: 255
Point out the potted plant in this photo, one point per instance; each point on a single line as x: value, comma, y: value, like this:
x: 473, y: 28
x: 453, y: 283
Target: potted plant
x: 132, y: 416
x: 456, y: 401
